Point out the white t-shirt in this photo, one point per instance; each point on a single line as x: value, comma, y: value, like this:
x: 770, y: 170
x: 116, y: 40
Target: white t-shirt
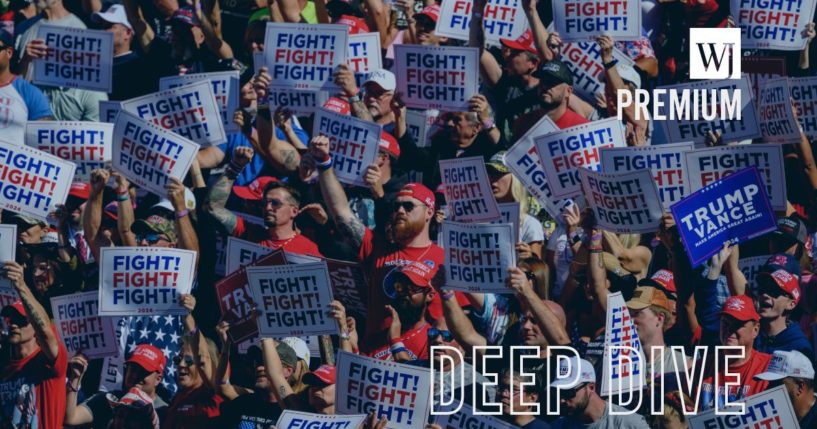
x: 531, y: 230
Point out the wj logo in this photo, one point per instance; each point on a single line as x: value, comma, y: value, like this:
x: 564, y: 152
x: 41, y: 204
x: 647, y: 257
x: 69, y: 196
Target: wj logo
x: 714, y: 53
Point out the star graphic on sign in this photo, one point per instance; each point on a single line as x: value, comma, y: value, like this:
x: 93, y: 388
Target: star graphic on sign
x: 160, y: 335
x: 166, y: 351
x: 168, y: 320
x: 174, y: 338
x: 143, y: 333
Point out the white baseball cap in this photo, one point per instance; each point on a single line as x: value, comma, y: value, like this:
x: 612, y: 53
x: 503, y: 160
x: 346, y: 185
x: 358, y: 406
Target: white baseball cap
x: 567, y: 373
x: 300, y: 347
x: 787, y: 364
x: 189, y: 202
x: 629, y: 74
x: 114, y: 15
x: 384, y: 78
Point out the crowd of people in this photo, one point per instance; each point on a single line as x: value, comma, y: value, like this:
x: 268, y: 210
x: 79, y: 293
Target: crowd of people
x: 273, y: 183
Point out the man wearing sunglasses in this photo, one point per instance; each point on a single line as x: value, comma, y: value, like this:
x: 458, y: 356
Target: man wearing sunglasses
x: 795, y: 371
x: 32, y: 381
x: 19, y: 100
x: 779, y: 293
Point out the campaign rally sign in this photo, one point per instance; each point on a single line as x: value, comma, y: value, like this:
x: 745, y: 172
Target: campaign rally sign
x: 777, y: 123
x: 695, y: 130
x: 225, y: 85
x: 144, y: 280
x: 733, y: 209
x: 804, y: 93
x: 465, y: 418
x: 772, y: 24
x: 294, y: 299
x: 8, y: 242
x: 297, y: 258
x: 235, y: 298
x: 665, y: 162
x: 705, y: 166
x: 148, y: 155
x: 241, y: 253
x: 363, y: 55
x: 304, y: 56
x: 576, y: 147
x: 189, y: 111
x: 80, y: 326
x: 750, y: 267
x: 86, y: 144
x: 477, y: 256
x: 436, y: 77
x: 501, y: 19
x: 584, y: 60
x: 299, y: 420
x: 299, y: 101
x: 353, y: 144
x: 349, y: 285
x: 75, y: 58
x: 8, y: 295
x: 583, y: 19
x: 468, y: 193
x: 509, y: 213
x: 770, y: 409
x: 624, y: 203
x: 623, y: 368
x: 393, y: 390
x: 108, y: 110
x: 32, y: 182
x: 757, y: 69
x: 421, y: 126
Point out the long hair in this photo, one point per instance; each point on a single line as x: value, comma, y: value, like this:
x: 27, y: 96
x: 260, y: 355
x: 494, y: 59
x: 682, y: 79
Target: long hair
x: 297, y: 377
x: 541, y: 275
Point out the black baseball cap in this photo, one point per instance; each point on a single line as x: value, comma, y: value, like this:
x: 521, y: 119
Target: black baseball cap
x: 555, y: 72
x: 790, y: 230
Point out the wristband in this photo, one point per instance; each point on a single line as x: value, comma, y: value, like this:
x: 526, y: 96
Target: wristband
x: 325, y: 165
x: 397, y: 342
x: 182, y: 213
x: 71, y: 388
x: 400, y: 350
x: 354, y: 99
x: 595, y: 251
x: 596, y: 237
x: 611, y: 64
x: 488, y: 124
x: 122, y: 197
x: 345, y: 335
x: 123, y: 192
x: 263, y: 107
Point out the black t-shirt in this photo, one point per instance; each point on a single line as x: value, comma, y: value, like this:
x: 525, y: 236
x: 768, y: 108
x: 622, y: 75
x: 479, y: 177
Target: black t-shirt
x: 134, y: 76
x: 249, y: 411
x: 515, y: 99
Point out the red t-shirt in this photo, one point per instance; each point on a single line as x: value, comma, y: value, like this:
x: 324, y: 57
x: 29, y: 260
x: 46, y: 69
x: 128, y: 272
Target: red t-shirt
x: 258, y: 234
x: 32, y: 391
x: 194, y: 409
x: 743, y: 374
x: 570, y: 119
x: 416, y: 342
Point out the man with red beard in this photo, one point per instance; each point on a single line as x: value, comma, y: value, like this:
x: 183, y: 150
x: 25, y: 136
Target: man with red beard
x: 406, y: 241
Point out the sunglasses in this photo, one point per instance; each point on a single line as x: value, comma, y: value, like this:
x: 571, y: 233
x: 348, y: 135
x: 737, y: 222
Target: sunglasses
x: 188, y: 360
x: 571, y: 393
x: 403, y: 289
x: 151, y: 238
x: 274, y: 202
x: 433, y: 333
x: 408, y: 206
x: 773, y: 292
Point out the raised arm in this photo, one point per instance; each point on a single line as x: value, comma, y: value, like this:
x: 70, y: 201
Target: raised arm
x: 220, y: 192
x: 345, y: 79
x: 635, y: 259
x: 197, y: 341
x: 545, y: 42
x: 36, y: 315
x: 124, y: 211
x: 380, y: 14
x: 291, y: 10
x: 275, y: 371
x: 212, y: 39
x: 808, y: 34
x: 187, y: 237
x: 277, y: 152
x: 552, y: 328
x: 92, y: 215
x: 597, y: 275
x: 144, y: 33
x: 76, y: 415
x: 489, y: 68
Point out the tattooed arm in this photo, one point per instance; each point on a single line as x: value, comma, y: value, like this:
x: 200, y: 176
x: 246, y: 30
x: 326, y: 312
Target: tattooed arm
x: 345, y: 79
x: 275, y: 372
x: 277, y: 152
x: 220, y: 192
x: 350, y: 227
x: 43, y: 332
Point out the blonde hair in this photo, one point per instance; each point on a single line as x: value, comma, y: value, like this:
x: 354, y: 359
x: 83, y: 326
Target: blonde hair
x: 629, y: 240
x: 212, y: 352
x: 298, y: 373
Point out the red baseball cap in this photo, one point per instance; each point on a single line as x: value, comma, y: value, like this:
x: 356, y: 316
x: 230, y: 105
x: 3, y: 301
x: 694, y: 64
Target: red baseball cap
x: 418, y: 191
x: 418, y: 272
x: 148, y: 357
x: 784, y: 280
x: 325, y: 374
x: 741, y: 307
x: 356, y: 25
x: 255, y: 190
x: 663, y: 280
x: 432, y: 12
x: 18, y: 306
x: 80, y: 190
x: 389, y: 144
x: 337, y: 105
x: 523, y: 43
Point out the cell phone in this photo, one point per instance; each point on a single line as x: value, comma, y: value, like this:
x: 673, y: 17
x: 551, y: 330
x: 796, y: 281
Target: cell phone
x: 567, y: 204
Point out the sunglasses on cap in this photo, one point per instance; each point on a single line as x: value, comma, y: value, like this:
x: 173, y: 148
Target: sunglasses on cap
x: 408, y: 206
x: 433, y: 333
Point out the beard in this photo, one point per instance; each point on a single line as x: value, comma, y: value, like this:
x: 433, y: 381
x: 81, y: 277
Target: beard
x: 270, y: 221
x: 408, y: 312
x: 405, y: 231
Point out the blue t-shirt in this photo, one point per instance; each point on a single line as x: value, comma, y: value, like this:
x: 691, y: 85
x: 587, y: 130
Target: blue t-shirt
x: 20, y: 102
x: 256, y: 167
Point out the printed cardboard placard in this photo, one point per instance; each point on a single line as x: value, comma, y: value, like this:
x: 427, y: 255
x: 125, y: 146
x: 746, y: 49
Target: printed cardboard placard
x: 189, y: 111
x: 149, y: 155
x: 436, y: 77
x: 33, y: 182
x: 349, y: 285
x: 8, y: 295
x: 758, y: 69
x: 620, y: 332
x: 707, y: 165
x: 803, y: 91
x: 770, y: 409
x: 777, y: 123
x: 86, y: 144
x: 353, y: 144
x: 583, y: 20
x: 235, y: 298
x: 108, y: 111
x: 468, y: 193
x: 363, y: 55
x: 665, y: 162
x: 772, y: 25
x: 570, y: 149
x: 81, y: 328
x: 299, y: 420
x: 225, y: 87
x: 293, y: 299
x: 695, y: 130
x: 477, y: 256
x: 466, y: 418
x: 8, y: 243
x: 299, y: 101
x: 401, y: 390
x: 241, y: 253
x: 500, y: 20
x: 297, y: 258
x: 584, y: 60
x: 304, y: 56
x: 421, y: 126
x: 624, y: 203
x: 509, y: 213
x: 75, y: 58
x: 733, y: 209
x: 144, y: 280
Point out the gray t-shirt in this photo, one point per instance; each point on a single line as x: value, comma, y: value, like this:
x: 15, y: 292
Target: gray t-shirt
x: 607, y: 421
x: 30, y: 34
